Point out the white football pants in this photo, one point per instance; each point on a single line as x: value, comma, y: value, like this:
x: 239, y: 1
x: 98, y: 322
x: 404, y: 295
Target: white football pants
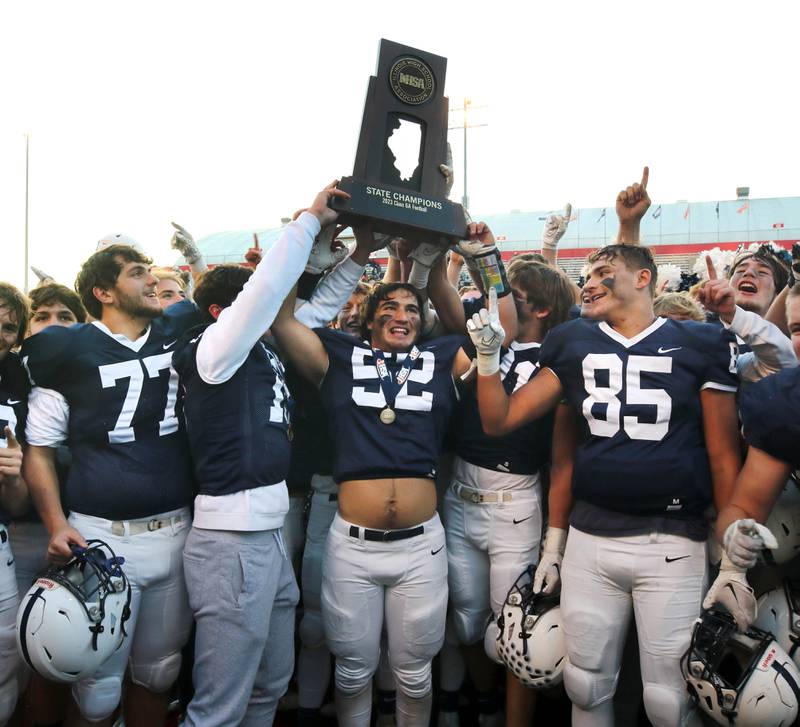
x: 664, y: 578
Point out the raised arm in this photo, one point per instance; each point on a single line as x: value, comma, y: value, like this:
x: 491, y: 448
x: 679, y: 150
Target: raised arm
x: 500, y: 413
x: 445, y: 300
x: 488, y: 270
x: 227, y: 342
x: 299, y: 343
x: 555, y: 226
x: 184, y: 243
x: 632, y: 203
x: 771, y: 350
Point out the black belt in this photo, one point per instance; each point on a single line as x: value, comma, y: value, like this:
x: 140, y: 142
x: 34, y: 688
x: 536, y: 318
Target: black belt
x: 386, y: 536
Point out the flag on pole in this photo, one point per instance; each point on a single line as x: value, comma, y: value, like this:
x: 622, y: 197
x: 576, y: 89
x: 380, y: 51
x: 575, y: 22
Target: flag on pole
x: 602, y: 214
x: 686, y: 213
x: 657, y: 212
x: 743, y: 208
x: 717, y: 210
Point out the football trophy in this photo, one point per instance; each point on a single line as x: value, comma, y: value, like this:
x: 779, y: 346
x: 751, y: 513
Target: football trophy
x: 405, y: 96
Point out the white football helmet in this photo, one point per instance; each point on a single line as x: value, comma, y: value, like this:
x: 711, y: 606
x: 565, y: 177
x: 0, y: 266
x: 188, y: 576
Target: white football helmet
x: 779, y: 613
x: 743, y: 679
x: 73, y: 617
x: 784, y: 523
x: 531, y: 638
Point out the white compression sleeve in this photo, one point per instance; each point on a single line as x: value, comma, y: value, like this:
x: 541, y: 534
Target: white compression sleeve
x: 330, y: 295
x: 227, y: 342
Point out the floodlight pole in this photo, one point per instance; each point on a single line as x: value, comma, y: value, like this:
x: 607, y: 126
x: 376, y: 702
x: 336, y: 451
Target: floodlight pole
x: 464, y: 127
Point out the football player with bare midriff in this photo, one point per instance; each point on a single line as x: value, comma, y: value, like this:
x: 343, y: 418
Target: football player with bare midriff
x: 388, y: 397
x: 389, y: 503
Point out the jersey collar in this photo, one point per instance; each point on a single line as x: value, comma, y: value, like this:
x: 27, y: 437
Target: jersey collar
x: 628, y: 342
x: 124, y: 340
x: 517, y: 346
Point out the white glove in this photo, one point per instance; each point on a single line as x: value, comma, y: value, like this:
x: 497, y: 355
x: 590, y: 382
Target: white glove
x: 323, y: 257
x: 487, y: 335
x: 732, y: 591
x: 469, y: 249
x: 424, y: 256
x: 744, y: 540
x: 184, y: 243
x: 548, y: 572
x: 42, y: 275
x: 554, y: 228
x: 388, y: 242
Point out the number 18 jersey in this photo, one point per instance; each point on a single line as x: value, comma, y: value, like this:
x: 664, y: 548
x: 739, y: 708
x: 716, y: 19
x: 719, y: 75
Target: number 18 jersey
x: 643, y: 449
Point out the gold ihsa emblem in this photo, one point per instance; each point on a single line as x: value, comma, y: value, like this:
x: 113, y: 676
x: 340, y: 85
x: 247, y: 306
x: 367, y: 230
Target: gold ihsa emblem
x: 411, y: 80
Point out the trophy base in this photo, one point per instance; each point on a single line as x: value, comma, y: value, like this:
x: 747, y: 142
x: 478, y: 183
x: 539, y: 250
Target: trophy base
x: 401, y: 212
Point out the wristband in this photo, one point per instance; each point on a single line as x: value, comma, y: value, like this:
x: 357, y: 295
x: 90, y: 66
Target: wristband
x: 306, y: 284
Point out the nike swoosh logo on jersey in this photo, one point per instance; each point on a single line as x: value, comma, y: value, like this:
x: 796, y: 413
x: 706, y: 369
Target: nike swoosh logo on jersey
x: 434, y: 552
x: 11, y: 402
x: 517, y: 522
x: 167, y: 345
x: 667, y: 350
x: 667, y: 559
x: 10, y: 562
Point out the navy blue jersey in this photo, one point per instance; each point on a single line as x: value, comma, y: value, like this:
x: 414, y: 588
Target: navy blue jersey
x: 770, y: 412
x: 643, y: 449
x: 525, y: 450
x: 13, y: 405
x: 312, y: 447
x: 238, y: 430
x: 130, y: 457
x: 364, y: 447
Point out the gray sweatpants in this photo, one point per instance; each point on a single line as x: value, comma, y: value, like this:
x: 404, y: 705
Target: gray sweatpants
x: 243, y: 593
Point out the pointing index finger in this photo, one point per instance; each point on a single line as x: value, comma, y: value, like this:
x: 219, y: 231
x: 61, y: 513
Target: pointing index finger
x: 645, y: 177
x: 568, y: 211
x: 494, y: 315
x: 712, y: 272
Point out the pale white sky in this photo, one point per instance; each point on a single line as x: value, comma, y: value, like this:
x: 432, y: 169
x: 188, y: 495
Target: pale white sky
x: 231, y: 115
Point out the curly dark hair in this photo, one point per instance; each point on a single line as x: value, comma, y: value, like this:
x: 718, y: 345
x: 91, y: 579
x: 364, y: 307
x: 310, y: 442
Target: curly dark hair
x: 101, y: 270
x: 220, y: 286
x: 380, y: 293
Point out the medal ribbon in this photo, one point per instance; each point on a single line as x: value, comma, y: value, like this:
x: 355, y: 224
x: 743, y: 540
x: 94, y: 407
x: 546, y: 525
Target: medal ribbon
x: 391, y: 385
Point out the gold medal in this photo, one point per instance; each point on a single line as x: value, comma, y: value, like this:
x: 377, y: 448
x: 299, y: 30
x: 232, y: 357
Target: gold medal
x: 388, y: 416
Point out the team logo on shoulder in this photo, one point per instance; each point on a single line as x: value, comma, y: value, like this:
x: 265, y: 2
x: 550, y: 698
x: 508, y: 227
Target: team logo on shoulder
x: 411, y: 80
